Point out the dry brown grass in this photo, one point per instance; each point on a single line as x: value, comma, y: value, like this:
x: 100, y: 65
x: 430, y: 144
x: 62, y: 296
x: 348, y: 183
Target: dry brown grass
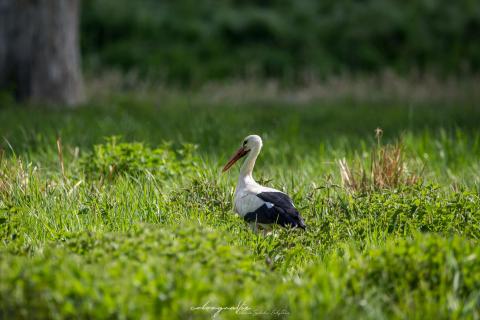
x: 3, y: 183
x: 60, y: 157
x: 381, y: 87
x: 388, y: 169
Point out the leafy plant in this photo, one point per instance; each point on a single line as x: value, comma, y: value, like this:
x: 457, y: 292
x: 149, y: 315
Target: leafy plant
x: 115, y: 158
x: 415, y: 271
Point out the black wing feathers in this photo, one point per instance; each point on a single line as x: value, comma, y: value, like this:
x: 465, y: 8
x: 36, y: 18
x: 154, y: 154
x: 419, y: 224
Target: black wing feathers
x: 277, y: 198
x: 283, y: 212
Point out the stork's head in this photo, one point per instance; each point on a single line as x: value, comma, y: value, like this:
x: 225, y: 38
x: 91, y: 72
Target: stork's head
x: 250, y: 143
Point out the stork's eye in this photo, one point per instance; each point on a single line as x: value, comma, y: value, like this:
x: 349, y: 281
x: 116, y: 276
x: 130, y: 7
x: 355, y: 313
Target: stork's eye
x: 245, y: 142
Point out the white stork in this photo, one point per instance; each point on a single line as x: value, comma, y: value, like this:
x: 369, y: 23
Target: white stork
x: 256, y: 204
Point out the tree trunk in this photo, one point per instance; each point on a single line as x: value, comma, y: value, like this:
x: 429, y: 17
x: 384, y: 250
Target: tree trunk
x: 39, y: 50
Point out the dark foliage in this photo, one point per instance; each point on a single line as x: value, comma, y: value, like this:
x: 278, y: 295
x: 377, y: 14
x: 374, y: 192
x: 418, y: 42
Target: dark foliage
x: 189, y: 41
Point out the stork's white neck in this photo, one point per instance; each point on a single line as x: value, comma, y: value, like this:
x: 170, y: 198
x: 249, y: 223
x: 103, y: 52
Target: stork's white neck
x: 246, y: 171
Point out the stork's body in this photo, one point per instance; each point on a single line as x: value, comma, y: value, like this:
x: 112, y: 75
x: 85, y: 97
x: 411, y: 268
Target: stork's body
x: 256, y: 204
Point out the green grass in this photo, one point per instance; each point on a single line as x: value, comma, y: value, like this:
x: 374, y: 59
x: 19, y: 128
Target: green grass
x: 156, y: 236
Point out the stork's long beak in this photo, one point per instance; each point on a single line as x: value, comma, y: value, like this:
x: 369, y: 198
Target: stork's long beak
x: 238, y: 154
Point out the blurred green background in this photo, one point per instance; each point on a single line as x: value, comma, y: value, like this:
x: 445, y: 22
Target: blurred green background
x: 188, y: 42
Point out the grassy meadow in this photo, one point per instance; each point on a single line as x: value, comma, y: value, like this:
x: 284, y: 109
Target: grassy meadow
x: 118, y: 209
